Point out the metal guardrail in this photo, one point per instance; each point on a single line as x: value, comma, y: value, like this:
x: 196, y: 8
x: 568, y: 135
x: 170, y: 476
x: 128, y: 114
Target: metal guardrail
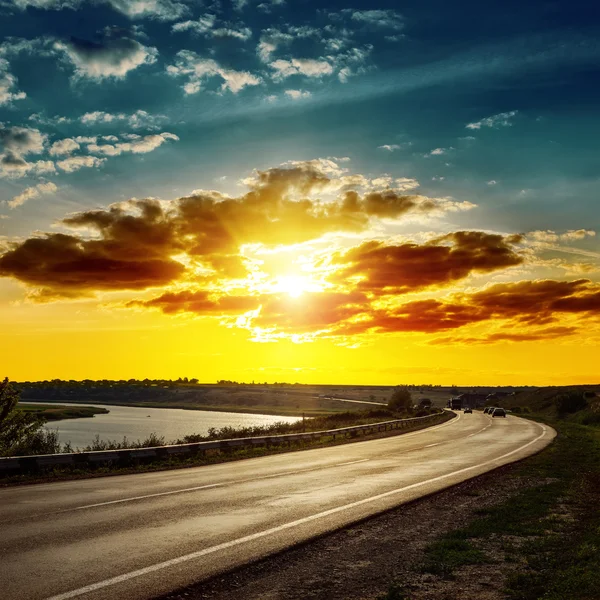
x: 16, y: 464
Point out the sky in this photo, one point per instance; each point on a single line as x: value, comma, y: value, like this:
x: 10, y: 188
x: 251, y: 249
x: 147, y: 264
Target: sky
x: 287, y: 190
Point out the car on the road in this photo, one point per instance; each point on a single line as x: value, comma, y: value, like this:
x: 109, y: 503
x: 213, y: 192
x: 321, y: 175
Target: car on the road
x: 468, y: 410
x: 487, y: 410
x: 499, y: 412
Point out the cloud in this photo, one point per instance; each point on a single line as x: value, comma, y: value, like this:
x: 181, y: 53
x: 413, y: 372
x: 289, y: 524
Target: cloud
x: 136, y: 145
x: 209, y: 228
x: 394, y: 147
x: 547, y: 333
x: 298, y: 94
x: 495, y: 121
x: 161, y: 10
x: 385, y: 269
x: 32, y: 192
x: 21, y: 140
x: 550, y: 236
x: 440, y: 151
x: 300, y: 66
x: 140, y: 119
x: 64, y: 146
x: 15, y: 144
x: 200, y: 302
x: 384, y: 19
x: 197, y: 70
x: 114, y: 56
x: 206, y: 25
x: 8, y: 84
x: 74, y: 163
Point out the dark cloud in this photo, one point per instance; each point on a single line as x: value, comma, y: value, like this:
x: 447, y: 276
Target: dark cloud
x: 200, y: 302
x: 63, y: 265
x: 548, y: 333
x: 112, y: 56
x: 207, y: 227
x: 392, y: 269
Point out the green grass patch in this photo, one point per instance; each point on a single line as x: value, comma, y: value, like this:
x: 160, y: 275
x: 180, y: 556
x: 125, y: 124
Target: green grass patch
x: 60, y: 412
x: 450, y: 552
x: 551, y: 526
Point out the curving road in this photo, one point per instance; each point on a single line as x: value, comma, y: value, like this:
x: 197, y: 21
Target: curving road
x: 137, y: 536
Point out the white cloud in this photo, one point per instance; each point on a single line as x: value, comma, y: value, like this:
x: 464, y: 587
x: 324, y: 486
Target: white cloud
x: 51, y: 121
x: 198, y: 69
x: 394, y: 147
x: 65, y: 146
x: 162, y: 10
x: 298, y: 94
x: 499, y: 120
x: 8, y: 84
x: 492, y: 182
x: 439, y: 151
x: 140, y: 119
x: 206, y: 25
x: 136, y: 145
x: 389, y: 19
x: 300, y: 66
x: 113, y: 57
x: 32, y: 192
x: 21, y: 140
x: 550, y: 236
x: 74, y: 163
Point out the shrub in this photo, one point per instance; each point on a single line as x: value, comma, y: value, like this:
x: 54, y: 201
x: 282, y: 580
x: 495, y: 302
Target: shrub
x: 570, y: 402
x: 401, y: 399
x: 19, y: 431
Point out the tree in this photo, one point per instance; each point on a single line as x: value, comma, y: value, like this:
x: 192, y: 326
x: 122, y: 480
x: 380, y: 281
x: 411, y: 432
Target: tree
x: 17, y: 428
x: 401, y: 399
x: 425, y: 403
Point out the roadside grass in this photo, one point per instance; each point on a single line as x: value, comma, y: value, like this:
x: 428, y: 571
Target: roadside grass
x: 208, y: 457
x: 545, y: 539
x: 547, y: 534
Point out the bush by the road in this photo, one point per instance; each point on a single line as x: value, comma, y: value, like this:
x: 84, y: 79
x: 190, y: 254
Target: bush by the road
x: 21, y: 433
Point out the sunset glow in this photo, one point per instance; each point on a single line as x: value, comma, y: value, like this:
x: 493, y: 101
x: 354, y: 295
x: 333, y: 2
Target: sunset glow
x: 356, y: 195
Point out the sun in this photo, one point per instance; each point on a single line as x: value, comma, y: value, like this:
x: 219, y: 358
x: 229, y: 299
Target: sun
x: 294, y: 285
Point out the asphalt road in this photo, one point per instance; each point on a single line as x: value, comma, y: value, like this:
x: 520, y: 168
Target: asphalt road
x: 137, y: 536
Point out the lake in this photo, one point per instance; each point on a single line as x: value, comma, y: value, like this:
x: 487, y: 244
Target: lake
x: 138, y: 423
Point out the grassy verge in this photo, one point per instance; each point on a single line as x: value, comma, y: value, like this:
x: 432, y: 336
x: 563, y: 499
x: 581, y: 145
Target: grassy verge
x: 59, y: 412
x: 544, y: 541
x: 207, y: 457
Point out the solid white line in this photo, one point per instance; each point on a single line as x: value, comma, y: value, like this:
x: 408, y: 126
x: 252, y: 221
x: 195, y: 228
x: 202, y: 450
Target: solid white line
x: 431, y: 445
x: 255, y: 536
x: 353, y: 462
x: 192, y: 489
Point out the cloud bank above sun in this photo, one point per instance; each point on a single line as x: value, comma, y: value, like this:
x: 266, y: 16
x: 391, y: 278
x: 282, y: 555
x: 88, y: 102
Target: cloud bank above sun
x: 310, y: 250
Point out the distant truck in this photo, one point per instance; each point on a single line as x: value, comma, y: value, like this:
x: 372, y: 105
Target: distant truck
x: 455, y: 403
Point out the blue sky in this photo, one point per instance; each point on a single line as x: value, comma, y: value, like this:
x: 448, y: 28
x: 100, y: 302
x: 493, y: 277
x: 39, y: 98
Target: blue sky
x: 308, y: 79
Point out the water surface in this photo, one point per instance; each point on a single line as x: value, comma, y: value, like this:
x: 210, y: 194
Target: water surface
x: 138, y: 423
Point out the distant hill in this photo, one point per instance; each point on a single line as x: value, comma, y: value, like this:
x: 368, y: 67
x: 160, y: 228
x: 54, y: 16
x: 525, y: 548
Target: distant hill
x: 580, y: 403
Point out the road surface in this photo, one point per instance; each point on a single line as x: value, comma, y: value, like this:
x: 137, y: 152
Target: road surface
x: 134, y: 537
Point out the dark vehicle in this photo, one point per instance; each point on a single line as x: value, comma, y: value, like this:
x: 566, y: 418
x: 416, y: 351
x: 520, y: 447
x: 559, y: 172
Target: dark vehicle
x: 468, y: 409
x: 488, y: 410
x: 499, y: 412
x: 455, y: 403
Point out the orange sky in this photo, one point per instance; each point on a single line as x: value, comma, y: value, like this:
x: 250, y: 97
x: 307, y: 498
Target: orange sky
x: 313, y: 274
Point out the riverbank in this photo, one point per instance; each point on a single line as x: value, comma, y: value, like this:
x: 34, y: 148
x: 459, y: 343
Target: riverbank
x: 60, y: 412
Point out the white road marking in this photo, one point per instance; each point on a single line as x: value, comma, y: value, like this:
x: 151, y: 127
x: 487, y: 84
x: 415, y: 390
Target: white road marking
x: 255, y: 536
x: 214, y: 485
x: 486, y: 427
x: 432, y: 445
x: 353, y: 462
